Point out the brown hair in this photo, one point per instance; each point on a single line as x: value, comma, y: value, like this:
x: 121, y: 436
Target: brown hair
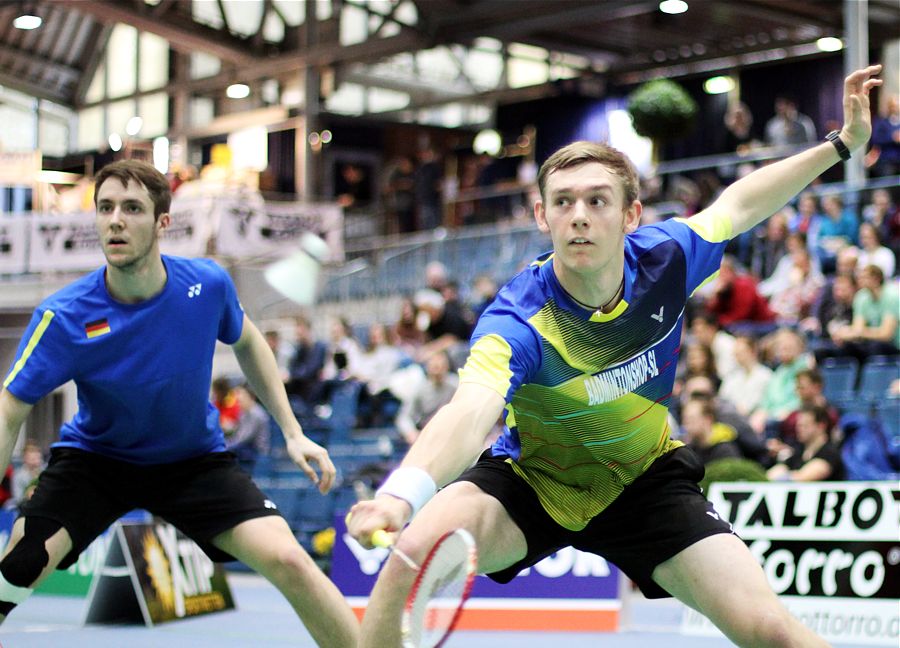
x: 145, y: 174
x: 578, y: 153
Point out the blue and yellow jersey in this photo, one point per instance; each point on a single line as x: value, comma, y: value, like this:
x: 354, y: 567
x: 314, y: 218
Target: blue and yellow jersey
x: 588, y: 393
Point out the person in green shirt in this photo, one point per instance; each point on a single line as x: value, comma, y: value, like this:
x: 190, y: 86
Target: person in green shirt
x: 876, y: 308
x: 780, y: 397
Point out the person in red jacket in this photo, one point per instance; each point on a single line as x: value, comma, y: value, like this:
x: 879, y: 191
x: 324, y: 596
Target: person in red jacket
x: 736, y: 298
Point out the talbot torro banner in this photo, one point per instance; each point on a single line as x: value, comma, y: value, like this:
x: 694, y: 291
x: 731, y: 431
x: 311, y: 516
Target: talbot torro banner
x: 831, y: 550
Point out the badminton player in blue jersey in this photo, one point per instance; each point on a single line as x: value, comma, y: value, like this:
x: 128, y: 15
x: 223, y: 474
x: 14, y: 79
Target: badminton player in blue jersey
x: 578, y: 354
x: 137, y: 336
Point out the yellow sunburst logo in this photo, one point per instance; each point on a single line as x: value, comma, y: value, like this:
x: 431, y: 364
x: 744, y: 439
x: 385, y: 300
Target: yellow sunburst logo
x: 159, y: 572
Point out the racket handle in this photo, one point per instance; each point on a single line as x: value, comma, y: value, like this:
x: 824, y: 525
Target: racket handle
x: 382, y: 538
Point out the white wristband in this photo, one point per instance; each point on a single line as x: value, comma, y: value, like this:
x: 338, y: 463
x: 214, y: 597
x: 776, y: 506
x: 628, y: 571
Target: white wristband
x: 412, y: 485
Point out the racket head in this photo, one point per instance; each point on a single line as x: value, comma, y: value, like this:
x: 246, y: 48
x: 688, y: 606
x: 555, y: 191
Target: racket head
x: 441, y: 588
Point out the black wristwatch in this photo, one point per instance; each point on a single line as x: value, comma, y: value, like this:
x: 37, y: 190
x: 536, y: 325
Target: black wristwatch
x: 835, y: 138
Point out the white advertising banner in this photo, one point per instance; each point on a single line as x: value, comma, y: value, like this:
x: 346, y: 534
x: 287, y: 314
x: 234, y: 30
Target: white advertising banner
x: 13, y: 244
x: 64, y: 242
x: 190, y: 227
x: 249, y: 226
x: 70, y: 242
x: 830, y: 550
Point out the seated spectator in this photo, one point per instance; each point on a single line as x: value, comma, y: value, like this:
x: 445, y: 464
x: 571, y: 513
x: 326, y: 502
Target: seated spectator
x: 784, y: 271
x: 837, y: 230
x: 484, y: 289
x: 376, y: 366
x: 806, y: 220
x: 809, y: 387
x: 705, y: 330
x: 406, y: 333
x: 443, y: 329
x: 702, y: 434
x: 804, y: 286
x: 697, y: 359
x: 701, y: 388
x: 250, y: 438
x: 884, y: 214
x: 25, y: 476
x: 872, y: 252
x: 305, y: 368
x: 224, y: 400
x: 780, y: 398
x: 884, y: 156
x: 769, y: 246
x: 344, y: 351
x: 735, y: 299
x: 816, y: 459
x: 789, y: 127
x: 874, y: 329
x: 834, y: 311
x: 432, y: 394
x: 283, y: 352
x: 744, y: 387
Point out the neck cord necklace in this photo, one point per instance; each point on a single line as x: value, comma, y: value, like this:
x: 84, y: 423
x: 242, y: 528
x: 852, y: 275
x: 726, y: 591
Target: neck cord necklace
x: 600, y: 309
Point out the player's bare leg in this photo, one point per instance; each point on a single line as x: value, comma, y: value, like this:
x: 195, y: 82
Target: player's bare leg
x: 267, y: 545
x: 499, y: 541
x: 743, y: 606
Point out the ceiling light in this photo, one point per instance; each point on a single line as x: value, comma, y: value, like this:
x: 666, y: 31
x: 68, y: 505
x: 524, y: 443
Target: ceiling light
x: 133, y: 127
x: 830, y: 44
x: 27, y: 21
x: 115, y: 142
x: 237, y: 91
x: 673, y: 6
x: 488, y: 141
x: 718, y: 85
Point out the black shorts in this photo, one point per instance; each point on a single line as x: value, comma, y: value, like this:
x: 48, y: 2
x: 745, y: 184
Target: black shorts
x: 203, y: 497
x: 659, y: 515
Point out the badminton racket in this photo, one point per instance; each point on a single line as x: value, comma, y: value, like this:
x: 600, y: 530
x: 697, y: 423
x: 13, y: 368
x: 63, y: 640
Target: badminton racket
x: 443, y: 584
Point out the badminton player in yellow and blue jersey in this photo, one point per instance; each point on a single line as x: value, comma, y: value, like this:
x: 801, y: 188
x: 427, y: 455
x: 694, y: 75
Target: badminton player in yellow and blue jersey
x: 578, y: 354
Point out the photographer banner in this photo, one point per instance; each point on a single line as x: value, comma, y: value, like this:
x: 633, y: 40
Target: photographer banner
x: 830, y: 550
x: 248, y: 226
x: 13, y: 244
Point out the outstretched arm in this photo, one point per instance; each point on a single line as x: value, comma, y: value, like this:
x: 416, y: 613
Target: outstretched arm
x: 448, y: 445
x: 261, y: 369
x: 754, y: 198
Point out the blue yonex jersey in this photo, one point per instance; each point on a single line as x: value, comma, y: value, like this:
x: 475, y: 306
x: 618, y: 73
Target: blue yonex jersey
x: 588, y: 393
x: 142, y: 370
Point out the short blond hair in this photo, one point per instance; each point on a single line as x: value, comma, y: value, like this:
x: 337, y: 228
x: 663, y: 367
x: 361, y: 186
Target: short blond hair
x: 583, y: 152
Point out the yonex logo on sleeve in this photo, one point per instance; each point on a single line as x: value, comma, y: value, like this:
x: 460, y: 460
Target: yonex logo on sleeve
x: 194, y: 290
x: 658, y: 317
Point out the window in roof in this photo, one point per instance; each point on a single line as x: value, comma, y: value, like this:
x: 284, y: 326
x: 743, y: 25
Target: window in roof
x: 97, y: 90
x: 243, y: 17
x: 53, y: 136
x: 121, y: 61
x: 204, y: 65
x: 207, y: 13
x: 202, y: 111
x: 90, y: 128
x: 521, y: 73
x: 293, y: 12
x: 484, y: 68
x: 382, y: 100
x: 353, y: 25
x: 154, y: 110
x: 348, y: 99
x: 154, y: 62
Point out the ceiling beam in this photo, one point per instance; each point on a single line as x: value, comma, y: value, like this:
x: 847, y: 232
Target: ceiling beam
x: 183, y: 35
x: 48, y: 65
x: 35, y: 90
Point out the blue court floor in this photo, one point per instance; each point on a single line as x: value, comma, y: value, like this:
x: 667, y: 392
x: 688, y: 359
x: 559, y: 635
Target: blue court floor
x: 263, y: 618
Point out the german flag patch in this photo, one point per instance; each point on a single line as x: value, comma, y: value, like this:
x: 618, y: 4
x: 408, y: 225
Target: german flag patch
x: 97, y: 328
